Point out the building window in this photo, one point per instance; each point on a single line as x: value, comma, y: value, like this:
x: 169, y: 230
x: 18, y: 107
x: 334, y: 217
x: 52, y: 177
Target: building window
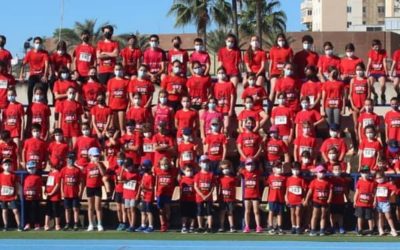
x: 364, y: 22
x: 348, y: 9
x: 349, y: 24
x: 381, y: 9
x: 309, y: 12
x: 374, y: 28
x: 364, y: 9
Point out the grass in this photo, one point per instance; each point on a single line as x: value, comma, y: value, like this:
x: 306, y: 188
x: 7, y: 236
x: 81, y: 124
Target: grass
x: 114, y: 235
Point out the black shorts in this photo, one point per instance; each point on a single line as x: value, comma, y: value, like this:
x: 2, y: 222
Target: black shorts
x: 118, y: 198
x: 204, y: 208
x: 317, y: 205
x: 337, y: 209
x: 104, y: 77
x: 276, y: 207
x: 9, y: 205
x: 188, y: 209
x: 366, y: 213
x: 229, y: 207
x: 146, y: 207
x: 71, y: 203
x: 91, y: 192
x: 53, y: 209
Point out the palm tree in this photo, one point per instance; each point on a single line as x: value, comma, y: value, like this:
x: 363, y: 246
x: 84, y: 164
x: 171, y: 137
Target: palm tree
x: 235, y: 19
x: 262, y: 17
x: 201, y: 13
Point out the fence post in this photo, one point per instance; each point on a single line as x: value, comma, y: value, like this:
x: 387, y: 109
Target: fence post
x: 21, y: 198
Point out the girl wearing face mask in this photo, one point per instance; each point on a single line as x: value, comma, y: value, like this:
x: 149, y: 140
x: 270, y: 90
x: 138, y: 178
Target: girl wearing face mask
x: 364, y: 197
x: 258, y: 93
x: 369, y: 149
x: 164, y: 144
x: 107, y: 52
x: 251, y: 177
x: 294, y: 197
x: 34, y: 149
x: 148, y: 145
x: 227, y: 195
x: 248, y: 111
x: 348, y: 64
x: 131, y: 142
x: 306, y: 57
x: 101, y: 117
x: 215, y: 144
x: 186, y: 118
x: 187, y: 200
x: 83, y: 144
x: 391, y: 120
x: 200, y: 55
x: 225, y: 93
x: 276, y: 199
x: 60, y: 58
x: 333, y: 157
x: 307, y: 163
x: 312, y: 88
x: 320, y: 193
x: 58, y: 150
x: 275, y: 148
x: 155, y: 58
x: 326, y: 61
x: 175, y: 84
x: 208, y: 115
x: 91, y: 89
x: 32, y: 191
x: 162, y: 112
x: 307, y: 114
x: 249, y: 142
x: 9, y: 182
x: 283, y: 117
x: 340, y: 194
x: 366, y: 118
x: 13, y: 117
x: 377, y: 69
x: 177, y: 53
x: 53, y: 202
x: 137, y: 112
x: 230, y: 58
x: 117, y: 97
x: 279, y: 54
x: 38, y: 112
x: 187, y: 149
x: 255, y: 59
x: 111, y: 147
x: 62, y: 84
x: 289, y: 85
x: 143, y: 86
x: 131, y: 56
x: 333, y: 97
x: 199, y: 87
x: 305, y: 142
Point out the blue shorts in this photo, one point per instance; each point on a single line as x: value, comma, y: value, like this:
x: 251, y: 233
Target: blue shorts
x: 146, y: 207
x: 377, y: 76
x: 383, y: 207
x: 163, y: 200
x: 275, y: 207
x: 71, y: 203
x: 9, y: 205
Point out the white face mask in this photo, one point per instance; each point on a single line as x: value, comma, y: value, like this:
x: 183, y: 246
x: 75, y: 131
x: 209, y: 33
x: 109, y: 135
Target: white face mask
x: 306, y: 131
x: 349, y: 54
x: 11, y: 98
x: 153, y: 44
x: 248, y: 105
x: 37, y: 46
x: 211, y: 106
x: 229, y: 44
x: 71, y: 96
x: 147, y: 134
x: 380, y: 180
x: 176, y: 70
x: 255, y: 44
x: 64, y: 76
x: 249, y: 168
x: 198, y: 71
x: 118, y: 73
x: 7, y: 167
x: 163, y: 100
x: 199, y: 47
x: 31, y: 170
x: 58, y: 137
x: 295, y: 172
x: 328, y: 52
x: 364, y: 175
x: 186, y: 137
x: 204, y: 166
x: 332, y: 157
x: 214, y: 128
x: 36, y: 134
x: 38, y: 98
x: 333, y: 133
x: 281, y: 43
x: 86, y: 132
x: 221, y: 76
x: 288, y: 72
x: 164, y: 166
x: 336, y: 173
x: 320, y: 175
x: 305, y: 160
x: 226, y: 171
x: 370, y: 135
x: 277, y: 170
x: 141, y: 74
x: 136, y: 101
x: 360, y: 73
x: 188, y: 173
x: 60, y: 52
x: 281, y: 101
x: 306, y: 46
x: 305, y: 105
x: 251, y: 82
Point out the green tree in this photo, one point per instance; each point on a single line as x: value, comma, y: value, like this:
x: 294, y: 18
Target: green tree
x: 201, y: 13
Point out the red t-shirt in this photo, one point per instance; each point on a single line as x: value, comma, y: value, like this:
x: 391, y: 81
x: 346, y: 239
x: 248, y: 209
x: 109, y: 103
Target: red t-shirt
x: 180, y: 55
x: 70, y: 111
x: 111, y: 151
x: 5, y: 56
x: 392, y: 122
x: 117, y: 90
x: 81, y: 148
x: 277, y: 188
x: 230, y: 59
x: 132, y: 140
x: 370, y: 151
x: 320, y: 191
x: 366, y: 191
x: 39, y: 113
x: 131, y: 57
x: 305, y: 144
x: 312, y: 90
x: 6, y: 81
x: 186, y: 185
x: 166, y: 180
x: 201, y: 56
x: 215, y: 143
x: 338, y: 143
x: 377, y: 58
x: 144, y: 87
x: 384, y: 190
x: 334, y: 92
x: 9, y: 151
x: 107, y: 65
x: 198, y: 88
x: 223, y: 92
x: 36, y: 61
x: 311, y: 116
x: 359, y: 92
x: 12, y: 118
x: 139, y: 115
x: 33, y: 187
x: 348, y: 65
x: 53, y: 179
x: 186, y: 119
x: 174, y: 82
x: 154, y: 57
x: 278, y: 57
x: 187, y: 154
x: 325, y: 62
x: 85, y: 57
x: 131, y: 184
x: 258, y: 93
x: 283, y: 118
x: 291, y: 87
x: 205, y: 182
x: 35, y: 150
x: 366, y: 119
x: 148, y: 149
x: 250, y: 143
x: 246, y: 113
x: 71, y: 179
x: 275, y: 149
x: 340, y: 187
x: 396, y: 59
x: 147, y: 184
x: 93, y: 176
x: 57, y: 153
x: 90, y: 91
x: 251, y: 182
x: 228, y: 188
x: 259, y: 57
x: 304, y: 58
x: 59, y: 61
x: 8, y: 187
x: 101, y: 115
x: 296, y: 187
x: 162, y: 140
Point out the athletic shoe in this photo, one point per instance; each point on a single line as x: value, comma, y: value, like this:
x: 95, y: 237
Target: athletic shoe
x: 393, y: 233
x: 368, y: 233
x: 342, y: 231
x: 293, y: 231
x: 130, y: 229
x: 123, y: 227
x: 37, y: 227
x: 200, y: 230
x: 298, y: 231
x: 233, y: 230
x: 184, y: 230
x: 148, y: 230
x: 246, y: 229
x: 76, y: 227
x: 164, y: 228
x: 20, y: 229
x: 322, y: 232
x: 100, y: 228
x: 140, y: 229
x: 259, y: 229
x: 66, y: 227
x: 271, y: 231
x: 207, y: 231
x: 90, y: 228
x: 5, y: 229
x: 119, y: 227
x: 313, y: 233
x: 280, y: 231
x: 191, y: 230
x: 221, y: 230
x: 360, y: 233
x: 27, y: 227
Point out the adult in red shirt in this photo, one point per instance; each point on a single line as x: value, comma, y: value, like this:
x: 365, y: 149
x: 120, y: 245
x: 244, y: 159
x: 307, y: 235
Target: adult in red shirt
x: 84, y: 56
x: 143, y: 86
x: 255, y: 59
x: 307, y: 115
x: 289, y: 85
x: 279, y: 55
x: 283, y: 117
x: 91, y: 90
x: 13, y: 117
x: 369, y: 149
x: 5, y: 55
x: 107, y: 52
x: 6, y: 81
x: 175, y: 84
x: 57, y: 150
x: 177, y: 53
x: 312, y: 88
x: 154, y: 57
x: 38, y: 61
x: 60, y: 58
x: 131, y: 56
x: 377, y: 69
x: 200, y: 55
x: 348, y: 64
x: 306, y: 57
x: 198, y: 86
x: 392, y: 121
x: 230, y: 58
x: 38, y: 112
x: 34, y: 149
x: 326, y: 61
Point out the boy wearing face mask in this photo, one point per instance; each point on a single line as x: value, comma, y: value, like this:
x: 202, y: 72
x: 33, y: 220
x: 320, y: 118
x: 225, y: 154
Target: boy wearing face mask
x: 154, y: 57
x: 199, y: 86
x: 162, y: 112
x: 369, y: 149
x: 9, y: 149
x: 137, y: 112
x: 294, y: 196
x: 13, y: 117
x: 164, y: 143
x: 204, y: 185
x: 377, y: 69
x: 275, y: 149
x: 83, y: 144
x: 305, y: 142
x: 175, y: 84
x: 62, y: 85
x: 247, y: 112
x: 334, y: 141
x: 146, y: 192
x: 327, y: 60
x: 187, y: 200
x: 91, y: 89
x: 307, y: 164
x: 84, y: 56
x: 312, y: 88
x: 251, y: 178
x: 53, y: 195
x: 35, y: 149
x: 306, y: 57
x: 227, y: 195
x: 8, y: 193
x: 101, y: 117
x: 276, y: 199
x: 107, y: 51
x: 320, y: 193
x: 307, y: 115
x: 258, y: 93
x: 38, y: 112
x: 333, y: 157
x: 207, y: 116
x: 392, y: 121
x: 131, y: 142
x: 177, y: 53
x: 384, y: 190
x: 364, y: 197
x: 283, y: 118
x: 230, y: 58
x: 215, y: 145
x: 141, y: 85
x: 131, y: 56
x: 340, y: 194
x: 289, y: 85
x: 248, y: 142
x: 148, y: 145
x: 131, y: 180
x: 186, y: 118
x: 32, y: 194
x: 187, y: 149
x: 166, y: 177
x: 367, y: 117
x: 200, y: 55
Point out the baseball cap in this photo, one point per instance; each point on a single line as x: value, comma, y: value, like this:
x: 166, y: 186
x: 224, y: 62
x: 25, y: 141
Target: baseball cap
x: 393, y: 146
x: 187, y: 131
x: 203, y: 158
x: 31, y: 164
x: 147, y: 163
x: 320, y: 169
x: 273, y: 128
x: 93, y: 151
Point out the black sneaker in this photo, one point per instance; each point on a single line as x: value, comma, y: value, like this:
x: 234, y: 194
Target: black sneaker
x: 293, y: 231
x: 207, y: 231
x: 200, y: 230
x: 66, y: 227
x: 76, y: 227
x: 298, y: 231
x: 360, y: 233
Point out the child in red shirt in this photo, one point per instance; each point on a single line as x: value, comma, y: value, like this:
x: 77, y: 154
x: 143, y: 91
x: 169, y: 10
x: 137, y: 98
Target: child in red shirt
x: 83, y: 144
x: 137, y: 112
x: 146, y: 192
x: 187, y: 149
x: 101, y: 117
x: 8, y: 193
x: 35, y: 148
x: 148, y: 145
x: 141, y: 85
x: 58, y: 150
x: 187, y: 200
x: 199, y: 86
x: 131, y: 142
x: 115, y: 173
x: 13, y: 117
x: 175, y: 85
x: 320, y: 193
x: 53, y: 194
x: 215, y: 145
x: 39, y: 112
x: 32, y: 195
x: 340, y: 194
x: 384, y: 190
x: 248, y: 142
x: 227, y: 195
x: 377, y: 69
x: 283, y: 118
x: 369, y: 149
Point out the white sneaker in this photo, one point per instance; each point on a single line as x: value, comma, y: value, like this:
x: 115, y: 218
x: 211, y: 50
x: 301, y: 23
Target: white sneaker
x: 100, y: 228
x: 393, y: 233
x: 90, y: 228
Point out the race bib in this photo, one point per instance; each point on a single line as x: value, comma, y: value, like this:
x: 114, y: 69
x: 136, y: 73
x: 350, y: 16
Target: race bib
x: 11, y: 121
x: 364, y: 198
x: 130, y: 185
x: 333, y: 103
x: 359, y: 89
x: 50, y: 181
x: 178, y: 57
x: 280, y: 66
x: 377, y: 66
x: 36, y: 119
x: 395, y: 123
x: 322, y: 195
x: 148, y: 148
x: 368, y: 152
x: 85, y: 57
x: 214, y: 150
x: 303, y: 149
x: 187, y: 156
x: 250, y: 183
x: 226, y: 192
x: 381, y: 192
x: 312, y: 99
x: 118, y: 93
x: 367, y: 122
x: 70, y: 118
x: 94, y: 172
x: 3, y: 84
x: 296, y: 190
x: 7, y: 190
x: 281, y: 120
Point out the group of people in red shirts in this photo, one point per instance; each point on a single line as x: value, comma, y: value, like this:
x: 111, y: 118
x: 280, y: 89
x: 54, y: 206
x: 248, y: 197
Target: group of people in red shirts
x: 107, y: 135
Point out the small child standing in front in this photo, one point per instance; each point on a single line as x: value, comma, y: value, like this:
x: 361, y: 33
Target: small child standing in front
x: 227, y: 191
x: 32, y: 195
x: 146, y: 192
x: 187, y: 200
x: 53, y: 192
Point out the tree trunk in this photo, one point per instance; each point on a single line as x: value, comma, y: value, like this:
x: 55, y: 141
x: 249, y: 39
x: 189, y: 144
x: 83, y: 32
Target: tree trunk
x: 259, y: 21
x: 235, y: 19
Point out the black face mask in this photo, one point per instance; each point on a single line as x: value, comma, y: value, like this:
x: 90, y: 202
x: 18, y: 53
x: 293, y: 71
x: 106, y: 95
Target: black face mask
x: 2, y: 43
x: 108, y: 35
x: 177, y: 45
x: 85, y: 39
